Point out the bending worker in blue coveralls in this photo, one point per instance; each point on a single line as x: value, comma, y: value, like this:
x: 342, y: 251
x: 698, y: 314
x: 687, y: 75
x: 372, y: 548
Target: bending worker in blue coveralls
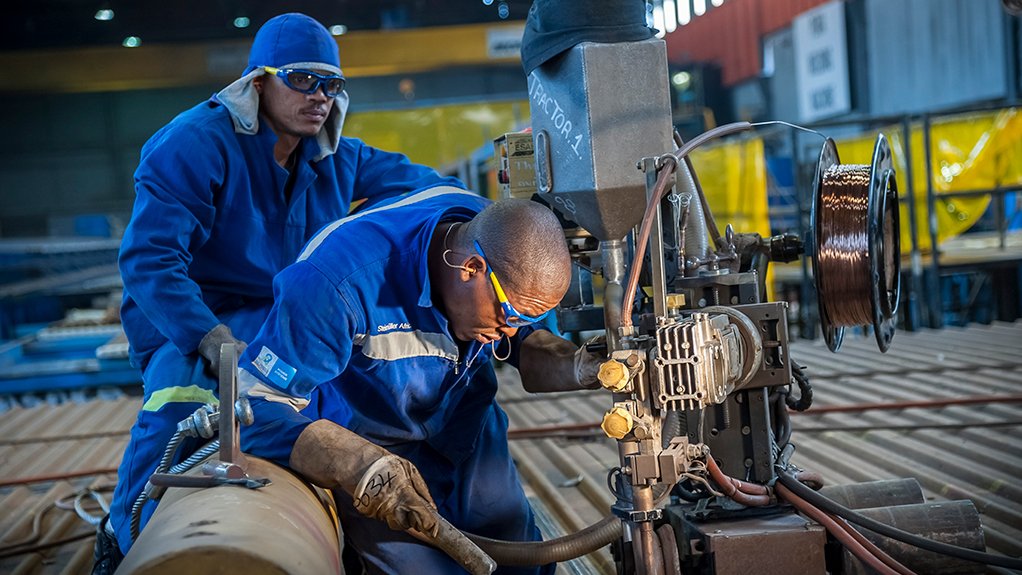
x: 392, y: 345
x: 226, y: 196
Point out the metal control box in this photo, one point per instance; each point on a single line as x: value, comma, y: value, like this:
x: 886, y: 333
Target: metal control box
x: 516, y: 168
x: 597, y: 109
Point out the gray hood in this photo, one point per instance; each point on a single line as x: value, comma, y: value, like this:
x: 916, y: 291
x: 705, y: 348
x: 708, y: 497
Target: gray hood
x: 242, y: 100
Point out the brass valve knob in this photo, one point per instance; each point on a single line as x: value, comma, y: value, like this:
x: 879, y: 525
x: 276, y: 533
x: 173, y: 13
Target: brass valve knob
x: 613, y: 375
x: 617, y: 422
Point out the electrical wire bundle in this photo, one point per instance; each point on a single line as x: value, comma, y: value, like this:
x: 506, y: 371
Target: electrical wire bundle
x: 791, y: 487
x: 798, y: 489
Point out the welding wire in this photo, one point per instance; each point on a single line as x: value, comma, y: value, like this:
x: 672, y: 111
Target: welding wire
x: 846, y: 538
x: 640, y: 246
x: 654, y: 200
x: 843, y: 279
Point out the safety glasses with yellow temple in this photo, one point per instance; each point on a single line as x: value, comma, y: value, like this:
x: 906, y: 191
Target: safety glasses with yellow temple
x: 512, y: 317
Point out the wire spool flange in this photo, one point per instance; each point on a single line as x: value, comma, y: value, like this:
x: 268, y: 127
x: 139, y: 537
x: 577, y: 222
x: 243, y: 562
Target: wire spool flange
x: 856, y: 253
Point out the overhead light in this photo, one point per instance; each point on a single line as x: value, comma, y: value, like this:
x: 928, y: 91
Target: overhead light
x: 338, y: 29
x: 670, y: 16
x: 503, y: 11
x: 104, y: 14
x: 716, y: 2
x: 132, y: 42
x: 684, y: 12
x: 658, y: 20
x: 241, y: 22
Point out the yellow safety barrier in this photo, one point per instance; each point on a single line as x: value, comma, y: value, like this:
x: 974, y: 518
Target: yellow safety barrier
x: 439, y: 135
x: 973, y: 151
x: 733, y: 177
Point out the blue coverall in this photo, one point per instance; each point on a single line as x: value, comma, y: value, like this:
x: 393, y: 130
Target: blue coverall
x: 357, y: 332
x: 215, y: 218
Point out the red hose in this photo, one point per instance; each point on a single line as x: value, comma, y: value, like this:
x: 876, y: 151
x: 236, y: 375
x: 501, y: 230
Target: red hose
x: 872, y: 548
x: 839, y: 533
x: 749, y: 494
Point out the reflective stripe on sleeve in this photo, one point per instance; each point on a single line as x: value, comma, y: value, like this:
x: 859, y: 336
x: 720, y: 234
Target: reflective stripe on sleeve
x: 423, y: 195
x: 250, y: 386
x: 179, y: 394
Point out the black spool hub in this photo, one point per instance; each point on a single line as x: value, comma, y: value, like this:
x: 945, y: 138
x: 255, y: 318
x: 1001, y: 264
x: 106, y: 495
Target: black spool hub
x: 832, y: 334
x: 884, y: 240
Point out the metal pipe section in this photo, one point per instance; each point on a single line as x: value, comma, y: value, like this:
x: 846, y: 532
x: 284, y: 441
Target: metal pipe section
x: 882, y: 493
x: 199, y: 531
x: 613, y: 252
x: 953, y: 522
x: 652, y: 558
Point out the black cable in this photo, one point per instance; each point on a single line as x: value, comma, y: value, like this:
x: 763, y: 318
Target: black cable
x: 610, y: 484
x: 912, y: 539
x: 805, y: 395
x: 687, y: 494
x: 782, y: 419
x: 43, y: 546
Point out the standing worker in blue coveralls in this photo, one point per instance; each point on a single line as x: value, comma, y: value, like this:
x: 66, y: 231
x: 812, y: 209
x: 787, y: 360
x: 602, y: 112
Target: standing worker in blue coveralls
x: 392, y: 345
x: 226, y: 195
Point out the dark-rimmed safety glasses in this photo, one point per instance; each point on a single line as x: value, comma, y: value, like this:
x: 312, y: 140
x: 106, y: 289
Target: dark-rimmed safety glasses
x: 512, y: 317
x: 307, y: 81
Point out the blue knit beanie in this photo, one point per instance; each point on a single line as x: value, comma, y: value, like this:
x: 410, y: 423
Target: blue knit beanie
x: 291, y: 39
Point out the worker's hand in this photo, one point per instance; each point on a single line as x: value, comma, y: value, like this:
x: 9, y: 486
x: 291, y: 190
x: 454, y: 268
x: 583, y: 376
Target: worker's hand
x: 382, y: 485
x: 209, y: 347
x: 392, y: 491
x: 587, y: 363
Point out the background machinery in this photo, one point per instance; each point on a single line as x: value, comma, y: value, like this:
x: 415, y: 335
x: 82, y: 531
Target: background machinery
x: 698, y: 362
x: 697, y: 358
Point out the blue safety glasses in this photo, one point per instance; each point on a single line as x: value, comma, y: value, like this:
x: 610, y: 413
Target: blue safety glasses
x: 308, y: 82
x: 512, y: 317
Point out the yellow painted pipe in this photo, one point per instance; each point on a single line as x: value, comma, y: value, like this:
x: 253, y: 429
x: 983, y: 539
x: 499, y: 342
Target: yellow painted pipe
x: 288, y: 526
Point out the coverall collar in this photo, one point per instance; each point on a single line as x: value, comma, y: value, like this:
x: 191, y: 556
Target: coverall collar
x: 242, y: 101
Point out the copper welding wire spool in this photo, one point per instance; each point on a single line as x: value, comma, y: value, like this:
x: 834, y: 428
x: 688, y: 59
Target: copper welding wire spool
x: 856, y: 255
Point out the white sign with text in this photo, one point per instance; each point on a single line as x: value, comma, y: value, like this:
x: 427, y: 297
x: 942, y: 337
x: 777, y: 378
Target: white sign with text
x: 821, y: 62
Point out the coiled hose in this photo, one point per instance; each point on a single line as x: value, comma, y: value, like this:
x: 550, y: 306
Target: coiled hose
x: 529, y: 553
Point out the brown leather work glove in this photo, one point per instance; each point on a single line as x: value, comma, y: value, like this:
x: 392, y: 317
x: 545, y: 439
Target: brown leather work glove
x: 382, y: 485
x: 392, y: 490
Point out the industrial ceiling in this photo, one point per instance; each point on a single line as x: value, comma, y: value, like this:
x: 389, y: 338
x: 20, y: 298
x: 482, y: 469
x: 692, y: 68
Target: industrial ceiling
x: 42, y: 24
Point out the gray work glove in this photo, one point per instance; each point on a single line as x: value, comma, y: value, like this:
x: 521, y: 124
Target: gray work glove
x: 209, y: 347
x: 382, y: 485
x: 587, y: 364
